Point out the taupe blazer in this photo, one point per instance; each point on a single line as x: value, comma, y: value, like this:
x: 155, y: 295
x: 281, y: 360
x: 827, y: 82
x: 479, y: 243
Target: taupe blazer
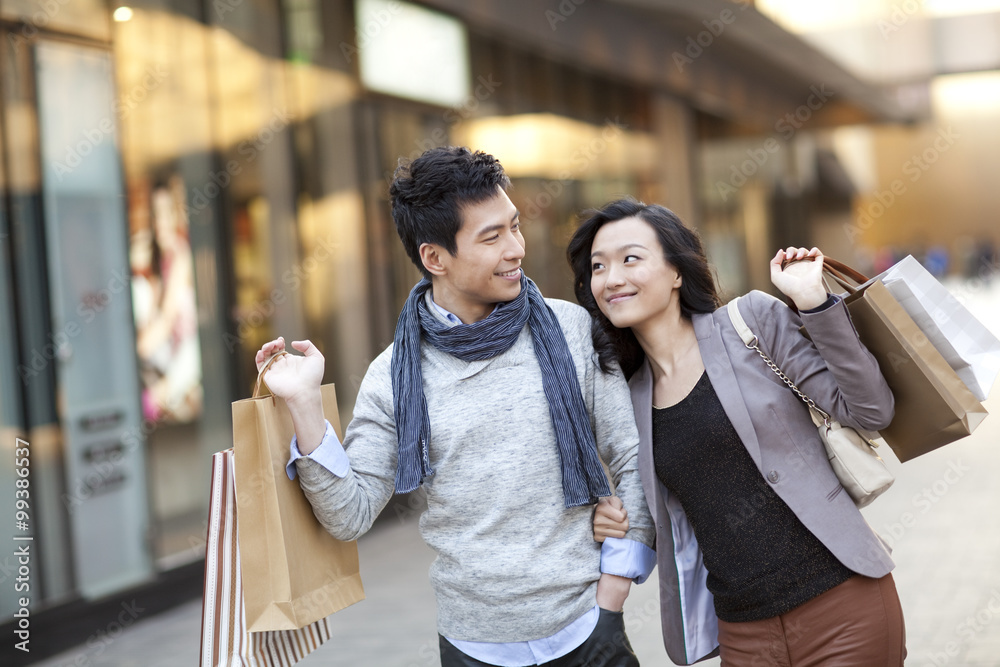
x: 840, y: 375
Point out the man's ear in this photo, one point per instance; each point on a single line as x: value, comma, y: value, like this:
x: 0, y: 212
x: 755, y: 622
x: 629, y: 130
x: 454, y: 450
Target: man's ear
x: 430, y: 256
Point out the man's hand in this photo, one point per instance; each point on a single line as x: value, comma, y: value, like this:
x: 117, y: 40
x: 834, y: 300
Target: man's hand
x: 612, y: 591
x: 292, y: 377
x: 610, y: 518
x: 297, y: 380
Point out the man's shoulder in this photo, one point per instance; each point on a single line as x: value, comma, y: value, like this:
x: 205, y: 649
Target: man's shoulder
x: 575, y: 322
x: 378, y: 377
x: 570, y: 315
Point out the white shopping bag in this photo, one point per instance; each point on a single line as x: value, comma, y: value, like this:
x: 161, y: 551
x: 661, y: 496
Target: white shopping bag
x: 965, y: 343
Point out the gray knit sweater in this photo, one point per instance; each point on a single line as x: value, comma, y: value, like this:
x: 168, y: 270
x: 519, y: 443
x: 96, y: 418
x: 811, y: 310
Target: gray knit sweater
x: 513, y: 564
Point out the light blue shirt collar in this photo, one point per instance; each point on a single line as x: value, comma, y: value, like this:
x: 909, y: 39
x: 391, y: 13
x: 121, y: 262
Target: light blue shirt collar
x: 452, y: 318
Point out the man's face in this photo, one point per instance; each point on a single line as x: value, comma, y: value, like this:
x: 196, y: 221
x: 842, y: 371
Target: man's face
x: 486, y: 269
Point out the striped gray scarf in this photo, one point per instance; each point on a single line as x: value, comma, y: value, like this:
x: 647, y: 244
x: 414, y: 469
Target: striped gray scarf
x: 583, y: 477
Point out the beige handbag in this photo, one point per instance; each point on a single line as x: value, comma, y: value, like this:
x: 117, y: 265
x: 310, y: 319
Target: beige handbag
x: 853, y: 457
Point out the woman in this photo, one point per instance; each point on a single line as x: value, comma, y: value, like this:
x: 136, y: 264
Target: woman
x: 763, y: 557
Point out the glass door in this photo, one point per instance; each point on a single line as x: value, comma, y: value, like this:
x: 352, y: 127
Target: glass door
x: 83, y: 201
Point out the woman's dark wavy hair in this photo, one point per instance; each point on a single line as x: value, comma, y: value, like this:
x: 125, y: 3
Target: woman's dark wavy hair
x: 682, y: 247
x: 427, y: 195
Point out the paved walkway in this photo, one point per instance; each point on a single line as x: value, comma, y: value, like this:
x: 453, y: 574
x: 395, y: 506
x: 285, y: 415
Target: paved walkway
x: 941, y: 517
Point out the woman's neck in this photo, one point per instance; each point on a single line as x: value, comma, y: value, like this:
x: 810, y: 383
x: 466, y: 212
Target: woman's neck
x: 667, y: 340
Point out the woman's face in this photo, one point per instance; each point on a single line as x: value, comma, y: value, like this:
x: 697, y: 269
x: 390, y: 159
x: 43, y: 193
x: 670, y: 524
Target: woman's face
x: 630, y: 279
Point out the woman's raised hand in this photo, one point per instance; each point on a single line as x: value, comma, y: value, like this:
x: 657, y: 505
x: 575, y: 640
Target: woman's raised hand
x: 802, y: 278
x: 292, y: 377
x: 610, y: 518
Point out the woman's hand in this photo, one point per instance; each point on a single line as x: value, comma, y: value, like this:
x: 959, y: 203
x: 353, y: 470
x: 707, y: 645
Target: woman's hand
x: 802, y: 279
x: 610, y: 518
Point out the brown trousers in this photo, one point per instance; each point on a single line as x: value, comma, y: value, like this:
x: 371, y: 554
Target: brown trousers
x: 856, y: 624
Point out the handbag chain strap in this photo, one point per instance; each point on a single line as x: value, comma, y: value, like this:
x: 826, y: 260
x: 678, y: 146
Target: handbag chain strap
x: 791, y: 385
x: 750, y: 340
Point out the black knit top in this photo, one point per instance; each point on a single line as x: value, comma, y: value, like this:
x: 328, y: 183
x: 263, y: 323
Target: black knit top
x: 761, y: 560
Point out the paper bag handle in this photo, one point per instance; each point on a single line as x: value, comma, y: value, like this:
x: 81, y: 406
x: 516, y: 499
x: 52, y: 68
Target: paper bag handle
x: 840, y: 273
x: 839, y: 267
x: 263, y: 369
x: 843, y: 275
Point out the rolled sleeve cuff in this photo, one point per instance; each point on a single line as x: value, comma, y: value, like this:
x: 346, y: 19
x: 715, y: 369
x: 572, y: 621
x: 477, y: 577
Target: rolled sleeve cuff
x: 627, y: 558
x: 831, y: 300
x: 330, y: 454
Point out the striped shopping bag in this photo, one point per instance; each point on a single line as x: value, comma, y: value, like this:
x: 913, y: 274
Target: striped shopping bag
x: 225, y: 640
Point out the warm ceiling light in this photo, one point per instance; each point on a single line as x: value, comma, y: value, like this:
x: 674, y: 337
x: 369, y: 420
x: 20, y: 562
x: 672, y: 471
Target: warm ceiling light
x: 123, y: 14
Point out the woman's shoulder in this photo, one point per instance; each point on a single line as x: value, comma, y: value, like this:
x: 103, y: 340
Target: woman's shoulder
x: 762, y: 307
x: 755, y: 303
x: 763, y: 302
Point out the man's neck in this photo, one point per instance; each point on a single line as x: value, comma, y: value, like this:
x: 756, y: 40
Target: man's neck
x: 467, y: 313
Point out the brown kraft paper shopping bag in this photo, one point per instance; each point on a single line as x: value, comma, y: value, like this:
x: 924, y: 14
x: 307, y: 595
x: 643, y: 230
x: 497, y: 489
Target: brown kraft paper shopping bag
x: 294, y: 571
x: 933, y: 406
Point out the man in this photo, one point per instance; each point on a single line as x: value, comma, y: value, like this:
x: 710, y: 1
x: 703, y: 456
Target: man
x: 491, y: 397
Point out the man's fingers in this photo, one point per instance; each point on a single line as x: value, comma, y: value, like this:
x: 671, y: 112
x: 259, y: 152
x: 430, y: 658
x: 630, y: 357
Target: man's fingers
x: 272, y: 347
x: 306, y: 347
x: 268, y: 350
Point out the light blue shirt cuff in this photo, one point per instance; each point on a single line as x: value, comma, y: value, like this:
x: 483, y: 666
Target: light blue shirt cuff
x: 330, y: 454
x: 627, y: 558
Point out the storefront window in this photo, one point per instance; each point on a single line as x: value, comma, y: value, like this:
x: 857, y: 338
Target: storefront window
x: 90, y: 18
x: 178, y: 258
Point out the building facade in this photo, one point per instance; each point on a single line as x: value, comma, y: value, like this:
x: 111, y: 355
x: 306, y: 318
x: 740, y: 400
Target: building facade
x: 184, y: 180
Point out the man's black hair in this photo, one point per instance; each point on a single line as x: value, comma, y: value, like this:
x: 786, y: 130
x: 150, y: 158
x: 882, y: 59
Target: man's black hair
x: 428, y: 195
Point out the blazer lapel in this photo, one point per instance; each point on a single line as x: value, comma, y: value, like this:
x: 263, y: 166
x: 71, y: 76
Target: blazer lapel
x: 723, y: 377
x: 642, y: 404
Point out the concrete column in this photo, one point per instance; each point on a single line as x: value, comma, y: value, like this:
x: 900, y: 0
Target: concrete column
x: 673, y: 127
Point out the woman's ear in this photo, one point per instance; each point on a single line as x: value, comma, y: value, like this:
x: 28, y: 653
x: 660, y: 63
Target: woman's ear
x: 430, y: 256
